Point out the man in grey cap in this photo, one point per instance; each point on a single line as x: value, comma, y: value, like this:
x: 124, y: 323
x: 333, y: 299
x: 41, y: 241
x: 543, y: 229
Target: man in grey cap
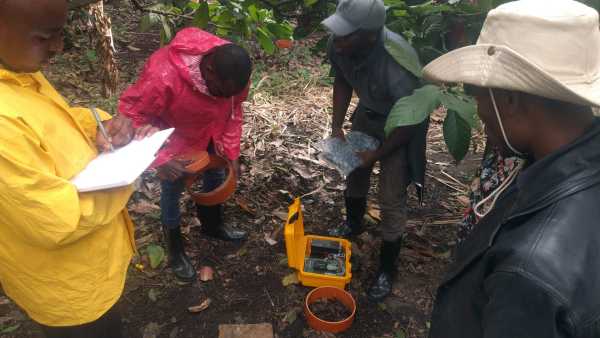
x: 361, y: 63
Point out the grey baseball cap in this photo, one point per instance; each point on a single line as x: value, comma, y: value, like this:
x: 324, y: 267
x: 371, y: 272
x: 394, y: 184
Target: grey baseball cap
x: 352, y: 15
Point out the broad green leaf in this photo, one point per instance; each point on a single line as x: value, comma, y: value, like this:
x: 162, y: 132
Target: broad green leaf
x: 194, y: 5
x: 414, y: 109
x: 309, y: 3
x: 405, y: 57
x: 457, y: 135
x: 202, y: 15
x: 156, y: 254
x: 264, y: 38
x: 253, y: 13
x: 464, y: 106
x: 281, y: 30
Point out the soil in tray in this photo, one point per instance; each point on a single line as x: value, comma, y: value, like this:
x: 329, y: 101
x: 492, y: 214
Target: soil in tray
x: 330, y: 310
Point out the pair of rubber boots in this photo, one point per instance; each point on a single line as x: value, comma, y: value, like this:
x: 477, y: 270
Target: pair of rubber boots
x: 212, y: 225
x: 388, y: 255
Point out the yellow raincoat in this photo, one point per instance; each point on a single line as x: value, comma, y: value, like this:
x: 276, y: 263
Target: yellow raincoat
x: 63, y: 255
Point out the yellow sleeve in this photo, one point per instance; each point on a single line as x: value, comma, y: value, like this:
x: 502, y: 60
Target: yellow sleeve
x: 40, y: 207
x: 87, y: 121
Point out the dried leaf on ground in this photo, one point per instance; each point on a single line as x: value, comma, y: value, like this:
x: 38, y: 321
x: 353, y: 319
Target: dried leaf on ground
x: 375, y: 213
x: 243, y: 204
x: 153, y: 294
x: 151, y: 330
x: 199, y: 308
x: 143, y: 206
x: 206, y: 274
x: 290, y: 279
x: 291, y: 316
x: 282, y: 215
x: 270, y: 240
x: 304, y: 172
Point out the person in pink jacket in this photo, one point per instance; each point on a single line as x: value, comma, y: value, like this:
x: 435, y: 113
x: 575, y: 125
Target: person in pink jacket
x: 196, y: 84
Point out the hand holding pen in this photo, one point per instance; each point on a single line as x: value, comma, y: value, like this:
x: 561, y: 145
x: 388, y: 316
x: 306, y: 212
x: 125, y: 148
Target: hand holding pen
x: 113, y: 133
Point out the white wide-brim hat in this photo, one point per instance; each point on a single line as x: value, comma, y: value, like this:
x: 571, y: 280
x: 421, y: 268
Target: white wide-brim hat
x: 549, y: 48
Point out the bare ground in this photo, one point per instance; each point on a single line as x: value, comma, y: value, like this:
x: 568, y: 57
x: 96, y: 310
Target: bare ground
x: 287, y: 113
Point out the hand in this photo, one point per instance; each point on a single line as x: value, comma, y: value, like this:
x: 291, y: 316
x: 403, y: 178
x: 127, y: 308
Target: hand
x: 339, y: 133
x: 172, y: 170
x: 368, y: 158
x: 145, y: 131
x: 119, y: 130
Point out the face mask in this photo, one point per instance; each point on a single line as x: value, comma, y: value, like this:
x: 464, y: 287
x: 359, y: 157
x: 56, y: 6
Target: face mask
x: 494, y: 195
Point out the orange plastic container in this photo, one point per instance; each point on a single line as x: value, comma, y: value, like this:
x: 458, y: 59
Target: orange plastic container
x: 297, y: 245
x: 329, y: 292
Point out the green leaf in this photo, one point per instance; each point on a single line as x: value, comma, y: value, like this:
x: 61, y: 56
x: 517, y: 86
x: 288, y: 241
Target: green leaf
x: 464, y: 106
x: 202, y: 15
x: 264, y: 38
x: 414, y: 109
x: 405, y: 57
x: 309, y: 3
x: 90, y: 54
x: 253, y: 13
x: 281, y: 30
x: 9, y: 329
x: 156, y: 254
x: 148, y: 21
x: 457, y: 135
x: 400, y: 334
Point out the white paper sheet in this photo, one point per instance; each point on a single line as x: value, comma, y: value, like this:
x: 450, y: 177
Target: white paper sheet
x: 122, y: 166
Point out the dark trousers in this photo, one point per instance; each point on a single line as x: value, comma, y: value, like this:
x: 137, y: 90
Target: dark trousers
x: 170, y: 194
x: 393, y: 178
x: 107, y: 326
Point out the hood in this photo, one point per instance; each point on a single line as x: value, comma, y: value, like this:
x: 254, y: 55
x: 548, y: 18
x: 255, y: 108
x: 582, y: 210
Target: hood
x: 191, y: 41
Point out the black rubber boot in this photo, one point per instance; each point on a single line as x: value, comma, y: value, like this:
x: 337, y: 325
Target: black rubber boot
x: 384, y: 280
x: 178, y: 260
x: 355, y: 214
x: 213, y: 224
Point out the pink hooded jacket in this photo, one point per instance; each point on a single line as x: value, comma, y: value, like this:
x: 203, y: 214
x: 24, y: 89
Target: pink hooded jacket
x: 165, y: 96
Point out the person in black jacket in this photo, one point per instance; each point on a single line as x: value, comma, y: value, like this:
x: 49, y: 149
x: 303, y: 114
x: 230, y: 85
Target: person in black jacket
x: 530, y: 269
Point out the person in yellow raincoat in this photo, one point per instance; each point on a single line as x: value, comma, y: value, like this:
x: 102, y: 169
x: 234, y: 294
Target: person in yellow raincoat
x: 63, y: 254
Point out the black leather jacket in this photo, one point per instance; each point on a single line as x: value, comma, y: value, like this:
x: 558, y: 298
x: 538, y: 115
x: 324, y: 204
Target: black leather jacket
x: 531, y: 268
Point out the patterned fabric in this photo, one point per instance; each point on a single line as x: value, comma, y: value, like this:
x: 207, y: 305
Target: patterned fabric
x: 193, y: 63
x: 493, y: 171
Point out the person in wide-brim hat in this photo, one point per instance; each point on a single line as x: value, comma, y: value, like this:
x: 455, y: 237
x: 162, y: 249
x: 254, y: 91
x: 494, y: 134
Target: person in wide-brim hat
x: 529, y: 269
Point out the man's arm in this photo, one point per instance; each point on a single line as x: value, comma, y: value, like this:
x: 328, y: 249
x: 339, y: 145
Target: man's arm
x: 342, y: 94
x: 518, y: 307
x: 145, y: 100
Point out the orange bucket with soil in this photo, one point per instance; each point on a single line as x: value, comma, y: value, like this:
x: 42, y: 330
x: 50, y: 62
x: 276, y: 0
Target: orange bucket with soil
x: 330, y: 309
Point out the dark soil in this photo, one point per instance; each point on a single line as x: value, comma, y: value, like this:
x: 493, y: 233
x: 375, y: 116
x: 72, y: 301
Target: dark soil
x: 330, y: 309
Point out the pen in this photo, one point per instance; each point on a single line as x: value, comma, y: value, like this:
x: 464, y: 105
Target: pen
x: 101, y: 126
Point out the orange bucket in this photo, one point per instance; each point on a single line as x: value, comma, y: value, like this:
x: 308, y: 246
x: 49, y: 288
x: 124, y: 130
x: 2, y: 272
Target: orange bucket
x: 202, y: 161
x: 329, y: 292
